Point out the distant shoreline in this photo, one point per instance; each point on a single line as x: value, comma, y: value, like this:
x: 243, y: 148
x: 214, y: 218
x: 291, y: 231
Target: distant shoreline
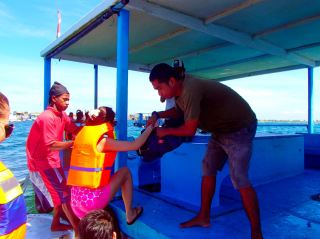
x: 33, y: 115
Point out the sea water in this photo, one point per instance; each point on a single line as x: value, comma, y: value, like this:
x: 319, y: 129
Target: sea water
x: 12, y: 150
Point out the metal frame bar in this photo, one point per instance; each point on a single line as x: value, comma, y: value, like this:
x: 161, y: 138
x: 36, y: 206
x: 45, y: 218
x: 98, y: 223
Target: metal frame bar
x: 122, y: 82
x: 227, y: 34
x: 310, y: 101
x: 95, y: 86
x: 47, y: 81
x: 115, y: 9
x: 228, y: 11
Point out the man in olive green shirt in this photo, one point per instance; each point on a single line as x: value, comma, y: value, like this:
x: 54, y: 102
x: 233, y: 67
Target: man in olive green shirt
x: 215, y: 108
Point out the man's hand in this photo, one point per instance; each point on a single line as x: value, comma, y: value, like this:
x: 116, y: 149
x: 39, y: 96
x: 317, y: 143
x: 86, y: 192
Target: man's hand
x: 161, y: 132
x: 187, y: 129
x: 152, y: 121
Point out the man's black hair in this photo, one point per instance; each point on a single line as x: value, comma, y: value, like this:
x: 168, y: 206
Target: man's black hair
x: 97, y: 224
x: 162, y: 72
x: 57, y: 89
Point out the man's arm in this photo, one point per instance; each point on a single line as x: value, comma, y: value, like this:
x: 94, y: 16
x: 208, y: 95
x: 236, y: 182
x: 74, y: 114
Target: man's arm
x: 189, y: 128
x: 107, y: 144
x: 59, y: 145
x: 170, y: 113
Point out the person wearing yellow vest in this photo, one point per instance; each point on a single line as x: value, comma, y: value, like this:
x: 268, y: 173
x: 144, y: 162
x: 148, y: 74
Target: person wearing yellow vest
x: 13, y: 213
x: 92, y: 159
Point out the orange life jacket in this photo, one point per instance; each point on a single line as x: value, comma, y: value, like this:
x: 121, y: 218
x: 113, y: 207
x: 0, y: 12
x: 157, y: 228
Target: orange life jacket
x: 89, y: 167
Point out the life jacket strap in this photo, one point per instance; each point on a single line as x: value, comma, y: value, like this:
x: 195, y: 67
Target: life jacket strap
x: 90, y: 169
x: 9, y: 187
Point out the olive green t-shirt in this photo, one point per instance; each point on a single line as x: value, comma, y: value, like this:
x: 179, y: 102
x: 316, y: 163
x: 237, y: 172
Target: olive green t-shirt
x: 217, y: 107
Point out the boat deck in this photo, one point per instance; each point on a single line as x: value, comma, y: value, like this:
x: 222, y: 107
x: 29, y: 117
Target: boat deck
x: 286, y: 212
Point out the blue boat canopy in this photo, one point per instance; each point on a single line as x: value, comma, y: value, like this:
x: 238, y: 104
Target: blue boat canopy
x: 217, y: 40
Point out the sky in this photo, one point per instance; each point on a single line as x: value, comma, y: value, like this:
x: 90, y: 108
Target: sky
x: 26, y: 28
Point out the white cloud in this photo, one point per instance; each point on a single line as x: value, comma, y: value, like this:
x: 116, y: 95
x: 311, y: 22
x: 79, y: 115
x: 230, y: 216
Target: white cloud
x: 4, y: 14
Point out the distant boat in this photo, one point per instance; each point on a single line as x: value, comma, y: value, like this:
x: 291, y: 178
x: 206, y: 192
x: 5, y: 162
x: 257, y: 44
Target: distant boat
x: 140, y: 119
x: 12, y: 118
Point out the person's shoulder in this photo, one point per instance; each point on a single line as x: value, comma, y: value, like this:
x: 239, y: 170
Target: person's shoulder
x: 201, y: 84
x: 191, y: 81
x: 65, y: 116
x: 191, y: 84
x: 193, y: 78
x: 46, y: 115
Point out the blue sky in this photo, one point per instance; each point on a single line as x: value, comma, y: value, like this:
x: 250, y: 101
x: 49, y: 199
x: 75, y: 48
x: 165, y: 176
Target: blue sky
x: 26, y: 28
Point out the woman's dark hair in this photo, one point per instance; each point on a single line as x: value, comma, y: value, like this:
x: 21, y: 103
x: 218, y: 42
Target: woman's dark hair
x: 4, y: 104
x: 109, y: 114
x: 97, y: 224
x: 162, y: 72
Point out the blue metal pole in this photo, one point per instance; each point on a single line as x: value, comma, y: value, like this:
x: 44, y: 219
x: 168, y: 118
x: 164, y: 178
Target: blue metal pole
x: 310, y: 101
x: 46, y: 81
x: 122, y: 82
x: 95, y: 86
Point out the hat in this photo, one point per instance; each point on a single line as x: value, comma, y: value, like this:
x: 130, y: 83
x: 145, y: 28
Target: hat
x: 57, y: 89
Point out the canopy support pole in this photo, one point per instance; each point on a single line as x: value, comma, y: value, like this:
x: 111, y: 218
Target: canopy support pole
x: 47, y: 81
x: 310, y: 101
x: 122, y: 82
x: 95, y: 86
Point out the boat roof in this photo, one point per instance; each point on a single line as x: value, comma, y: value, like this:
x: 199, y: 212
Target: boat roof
x: 217, y: 40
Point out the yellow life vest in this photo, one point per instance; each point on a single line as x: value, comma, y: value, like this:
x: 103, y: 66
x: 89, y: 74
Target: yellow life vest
x: 9, y: 185
x: 89, y: 167
x: 13, y: 213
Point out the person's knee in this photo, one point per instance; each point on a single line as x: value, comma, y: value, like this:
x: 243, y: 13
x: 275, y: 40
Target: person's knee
x: 125, y: 172
x: 240, y: 181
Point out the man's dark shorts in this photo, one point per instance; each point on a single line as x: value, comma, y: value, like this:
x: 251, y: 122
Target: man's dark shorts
x: 237, y: 147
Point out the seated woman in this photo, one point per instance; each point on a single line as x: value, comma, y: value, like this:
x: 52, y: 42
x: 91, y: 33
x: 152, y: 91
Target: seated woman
x: 92, y: 160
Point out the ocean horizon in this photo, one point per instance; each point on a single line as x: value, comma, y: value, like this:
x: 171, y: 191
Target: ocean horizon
x: 12, y: 150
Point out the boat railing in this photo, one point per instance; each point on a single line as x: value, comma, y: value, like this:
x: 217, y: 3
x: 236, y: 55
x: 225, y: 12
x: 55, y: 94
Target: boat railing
x: 282, y: 127
x: 24, y: 183
x: 283, y: 124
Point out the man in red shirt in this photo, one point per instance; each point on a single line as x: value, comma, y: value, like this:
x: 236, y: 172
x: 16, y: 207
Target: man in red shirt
x: 44, y: 142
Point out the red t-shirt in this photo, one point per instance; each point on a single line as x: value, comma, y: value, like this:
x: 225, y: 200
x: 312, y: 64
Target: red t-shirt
x: 47, y: 128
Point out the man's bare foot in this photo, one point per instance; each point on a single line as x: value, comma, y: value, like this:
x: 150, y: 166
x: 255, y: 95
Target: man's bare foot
x: 196, y: 222
x: 256, y: 235
x: 61, y: 227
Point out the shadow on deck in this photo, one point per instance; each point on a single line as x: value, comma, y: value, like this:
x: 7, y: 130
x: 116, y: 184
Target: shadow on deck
x: 286, y: 212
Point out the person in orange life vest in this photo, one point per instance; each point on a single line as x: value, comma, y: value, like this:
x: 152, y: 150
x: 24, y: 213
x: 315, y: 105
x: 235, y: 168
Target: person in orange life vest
x: 44, y: 143
x: 13, y: 212
x: 92, y: 159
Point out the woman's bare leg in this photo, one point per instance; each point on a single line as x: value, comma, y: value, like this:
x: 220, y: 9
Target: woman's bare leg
x: 123, y: 179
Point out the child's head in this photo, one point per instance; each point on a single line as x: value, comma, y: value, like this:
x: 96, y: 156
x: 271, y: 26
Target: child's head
x: 98, y: 224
